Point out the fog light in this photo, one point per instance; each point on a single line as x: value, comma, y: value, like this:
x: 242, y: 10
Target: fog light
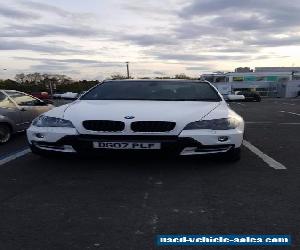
x: 223, y: 138
x: 40, y: 136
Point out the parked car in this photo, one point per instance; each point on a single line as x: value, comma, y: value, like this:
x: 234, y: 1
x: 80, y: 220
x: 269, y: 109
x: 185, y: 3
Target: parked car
x: 57, y: 95
x: 81, y: 94
x: 250, y: 96
x: 180, y: 116
x: 233, y: 97
x: 17, y: 110
x: 69, y: 95
x: 41, y: 95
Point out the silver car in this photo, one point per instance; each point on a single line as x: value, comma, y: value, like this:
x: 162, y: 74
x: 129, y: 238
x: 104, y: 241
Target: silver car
x: 17, y: 110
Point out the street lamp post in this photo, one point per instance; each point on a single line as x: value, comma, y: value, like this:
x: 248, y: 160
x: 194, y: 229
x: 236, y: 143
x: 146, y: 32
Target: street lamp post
x: 127, y: 66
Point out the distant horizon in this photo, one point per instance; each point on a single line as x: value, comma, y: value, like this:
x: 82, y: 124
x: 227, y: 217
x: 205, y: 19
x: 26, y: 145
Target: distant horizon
x: 159, y: 76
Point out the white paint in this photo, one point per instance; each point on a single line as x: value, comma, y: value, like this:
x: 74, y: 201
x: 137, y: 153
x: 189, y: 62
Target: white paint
x: 267, y: 159
x: 154, y: 222
x: 292, y: 113
x: 290, y: 123
x: 292, y: 104
x: 281, y: 123
x: 258, y: 122
x: 14, y: 156
x: 146, y: 195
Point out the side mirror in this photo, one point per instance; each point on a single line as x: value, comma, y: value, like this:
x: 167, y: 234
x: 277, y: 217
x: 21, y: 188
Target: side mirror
x: 235, y: 98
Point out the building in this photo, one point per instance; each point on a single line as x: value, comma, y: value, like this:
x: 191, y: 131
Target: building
x: 268, y: 81
x: 289, y: 89
x: 243, y: 69
x: 277, y: 69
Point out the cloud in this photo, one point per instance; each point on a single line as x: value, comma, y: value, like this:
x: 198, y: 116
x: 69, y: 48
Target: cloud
x: 207, y: 7
x: 245, y: 15
x: 196, y: 57
x: 191, y: 30
x: 62, y: 69
x: 193, y: 35
x: 49, y: 67
x: 151, y: 8
x: 250, y: 22
x: 79, y: 61
x: 197, y: 68
x: 44, y: 7
x: 38, y: 30
x: 149, y: 40
x: 267, y: 41
x: 161, y: 73
x: 241, y: 23
x: 46, y: 47
x: 17, y: 14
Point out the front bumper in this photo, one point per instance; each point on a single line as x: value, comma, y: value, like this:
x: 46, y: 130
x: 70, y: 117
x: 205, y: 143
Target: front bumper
x: 189, y: 142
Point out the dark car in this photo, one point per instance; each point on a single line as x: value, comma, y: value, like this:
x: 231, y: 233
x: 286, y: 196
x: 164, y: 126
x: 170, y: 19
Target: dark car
x: 41, y: 95
x: 250, y: 96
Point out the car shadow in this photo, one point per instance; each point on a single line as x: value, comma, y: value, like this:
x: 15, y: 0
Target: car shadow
x: 140, y: 161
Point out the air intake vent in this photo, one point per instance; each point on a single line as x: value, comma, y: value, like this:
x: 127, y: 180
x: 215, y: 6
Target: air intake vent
x: 104, y: 125
x: 152, y: 126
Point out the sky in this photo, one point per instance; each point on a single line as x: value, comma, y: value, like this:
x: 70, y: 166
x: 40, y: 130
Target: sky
x: 92, y: 39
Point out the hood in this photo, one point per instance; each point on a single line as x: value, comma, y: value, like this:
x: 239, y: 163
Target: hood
x: 181, y: 112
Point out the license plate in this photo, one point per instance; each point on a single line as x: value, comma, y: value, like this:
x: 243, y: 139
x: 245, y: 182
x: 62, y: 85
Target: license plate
x: 127, y: 145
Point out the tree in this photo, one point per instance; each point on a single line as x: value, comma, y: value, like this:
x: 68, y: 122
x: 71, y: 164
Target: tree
x: 182, y: 76
x: 20, y: 78
x: 119, y: 76
x: 163, y: 77
x: 35, y: 78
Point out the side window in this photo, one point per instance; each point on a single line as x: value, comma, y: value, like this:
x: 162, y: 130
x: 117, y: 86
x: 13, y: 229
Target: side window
x: 5, y: 102
x: 23, y: 99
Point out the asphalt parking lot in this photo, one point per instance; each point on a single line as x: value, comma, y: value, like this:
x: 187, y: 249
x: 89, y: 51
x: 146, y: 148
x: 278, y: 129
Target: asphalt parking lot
x: 124, y: 202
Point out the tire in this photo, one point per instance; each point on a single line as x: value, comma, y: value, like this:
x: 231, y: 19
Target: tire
x: 5, y: 133
x: 233, y: 155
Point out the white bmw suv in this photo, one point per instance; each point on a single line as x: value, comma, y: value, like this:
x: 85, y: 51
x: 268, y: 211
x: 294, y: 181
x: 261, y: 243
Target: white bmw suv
x: 182, y: 116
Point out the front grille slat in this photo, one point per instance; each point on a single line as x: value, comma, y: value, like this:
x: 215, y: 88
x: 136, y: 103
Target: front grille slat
x: 152, y: 126
x: 104, y: 125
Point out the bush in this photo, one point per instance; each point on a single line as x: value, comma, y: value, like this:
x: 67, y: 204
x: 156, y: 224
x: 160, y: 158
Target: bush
x: 29, y: 87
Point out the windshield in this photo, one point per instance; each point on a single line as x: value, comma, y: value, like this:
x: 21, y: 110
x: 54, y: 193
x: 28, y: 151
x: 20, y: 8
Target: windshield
x: 153, y: 90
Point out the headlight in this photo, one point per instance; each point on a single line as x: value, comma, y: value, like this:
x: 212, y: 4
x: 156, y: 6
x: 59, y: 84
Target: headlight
x: 217, y: 124
x: 47, y: 121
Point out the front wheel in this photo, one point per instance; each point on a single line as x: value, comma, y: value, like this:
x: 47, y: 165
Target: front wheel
x: 5, y: 133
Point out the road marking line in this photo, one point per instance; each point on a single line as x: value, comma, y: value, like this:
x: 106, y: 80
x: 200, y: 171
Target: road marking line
x: 258, y: 122
x: 292, y: 113
x: 289, y: 123
x: 292, y: 104
x: 14, y: 155
x: 281, y: 123
x: 267, y: 159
